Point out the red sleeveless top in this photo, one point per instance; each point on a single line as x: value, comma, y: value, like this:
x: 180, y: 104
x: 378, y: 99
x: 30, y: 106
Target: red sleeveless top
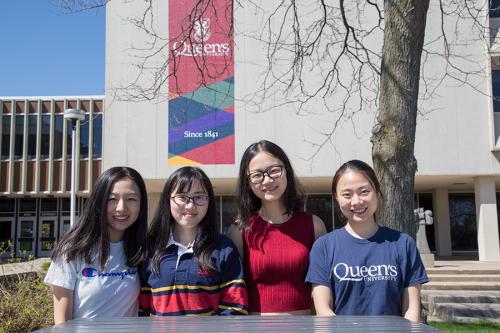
x: 275, y: 263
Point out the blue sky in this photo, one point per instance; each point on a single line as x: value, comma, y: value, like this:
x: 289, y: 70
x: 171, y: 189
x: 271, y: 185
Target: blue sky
x: 44, y: 52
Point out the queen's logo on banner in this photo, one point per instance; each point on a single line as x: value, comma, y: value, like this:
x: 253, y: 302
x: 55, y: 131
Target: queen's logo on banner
x: 201, y: 83
x: 201, y: 31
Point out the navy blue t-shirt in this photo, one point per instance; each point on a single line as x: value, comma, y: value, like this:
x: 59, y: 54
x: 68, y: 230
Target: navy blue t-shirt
x: 366, y: 276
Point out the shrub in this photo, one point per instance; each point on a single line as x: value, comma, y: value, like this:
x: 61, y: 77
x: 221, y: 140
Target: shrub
x: 26, y: 304
x: 45, y: 266
x: 25, y: 301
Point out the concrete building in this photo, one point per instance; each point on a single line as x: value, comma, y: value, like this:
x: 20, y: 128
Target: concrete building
x: 35, y: 169
x: 457, y: 146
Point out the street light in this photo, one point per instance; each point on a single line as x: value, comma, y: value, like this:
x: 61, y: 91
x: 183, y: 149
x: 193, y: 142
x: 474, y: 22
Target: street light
x: 74, y: 116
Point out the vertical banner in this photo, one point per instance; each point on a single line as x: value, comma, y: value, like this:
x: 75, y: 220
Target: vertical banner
x: 201, y: 82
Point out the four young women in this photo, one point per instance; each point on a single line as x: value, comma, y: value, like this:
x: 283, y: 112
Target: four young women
x: 188, y: 268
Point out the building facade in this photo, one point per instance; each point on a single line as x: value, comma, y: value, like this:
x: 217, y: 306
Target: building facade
x: 457, y: 142
x: 35, y: 169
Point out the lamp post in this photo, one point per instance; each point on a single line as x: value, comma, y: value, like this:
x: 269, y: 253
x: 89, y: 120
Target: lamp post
x: 73, y: 116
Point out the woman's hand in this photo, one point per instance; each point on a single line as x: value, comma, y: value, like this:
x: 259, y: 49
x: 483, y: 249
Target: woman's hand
x: 411, y: 303
x: 322, y: 297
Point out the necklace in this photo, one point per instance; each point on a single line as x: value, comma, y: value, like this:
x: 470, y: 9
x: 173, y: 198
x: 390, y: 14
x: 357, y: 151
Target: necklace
x: 273, y: 221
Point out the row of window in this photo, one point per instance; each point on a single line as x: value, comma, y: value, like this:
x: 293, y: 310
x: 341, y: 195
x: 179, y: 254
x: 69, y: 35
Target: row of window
x: 58, y: 135
x: 462, y: 214
x: 33, y: 205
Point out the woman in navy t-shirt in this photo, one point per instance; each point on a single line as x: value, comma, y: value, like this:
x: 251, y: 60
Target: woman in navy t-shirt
x: 364, y: 268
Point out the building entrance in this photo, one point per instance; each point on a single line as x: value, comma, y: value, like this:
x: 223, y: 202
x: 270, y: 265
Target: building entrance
x: 6, y: 235
x: 26, y: 231
x: 46, y: 235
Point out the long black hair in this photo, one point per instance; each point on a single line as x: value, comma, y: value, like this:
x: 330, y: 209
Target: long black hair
x: 161, y: 226
x: 90, y: 234
x: 248, y: 202
x: 357, y: 166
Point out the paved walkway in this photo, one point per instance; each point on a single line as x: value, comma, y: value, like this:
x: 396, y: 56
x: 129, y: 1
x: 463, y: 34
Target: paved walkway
x: 465, y: 265
x: 23, y: 267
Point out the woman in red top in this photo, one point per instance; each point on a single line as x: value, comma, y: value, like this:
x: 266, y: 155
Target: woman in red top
x: 273, y: 234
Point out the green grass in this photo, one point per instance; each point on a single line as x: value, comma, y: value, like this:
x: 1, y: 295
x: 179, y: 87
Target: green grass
x: 472, y: 327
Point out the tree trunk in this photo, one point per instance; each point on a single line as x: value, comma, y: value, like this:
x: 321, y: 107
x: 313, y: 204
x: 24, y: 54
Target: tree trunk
x: 394, y: 141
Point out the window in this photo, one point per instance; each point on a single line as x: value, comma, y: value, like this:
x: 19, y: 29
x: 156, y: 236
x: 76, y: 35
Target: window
x: 19, y: 136
x: 463, y: 222
x: 495, y: 80
x: 97, y: 136
x: 58, y: 135
x: 48, y: 204
x: 7, y: 205
x: 6, y: 236
x: 5, y: 137
x: 494, y: 8
x: 69, y: 147
x: 27, y: 205
x: 498, y: 213
x: 32, y: 127
x: 228, y: 212
x: 66, y: 205
x: 84, y: 137
x: 321, y: 206
x: 45, y: 137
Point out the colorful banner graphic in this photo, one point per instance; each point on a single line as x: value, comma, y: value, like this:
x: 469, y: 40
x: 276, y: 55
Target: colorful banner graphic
x: 201, y: 82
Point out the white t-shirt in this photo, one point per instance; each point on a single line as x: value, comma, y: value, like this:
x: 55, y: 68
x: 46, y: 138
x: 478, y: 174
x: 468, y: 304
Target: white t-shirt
x: 112, y: 292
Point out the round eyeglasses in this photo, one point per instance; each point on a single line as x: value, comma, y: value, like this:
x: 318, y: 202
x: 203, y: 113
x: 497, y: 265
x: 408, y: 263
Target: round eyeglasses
x: 273, y: 172
x: 198, y: 200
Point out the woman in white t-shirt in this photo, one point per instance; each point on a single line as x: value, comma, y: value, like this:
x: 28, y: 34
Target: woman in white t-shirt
x: 93, y: 271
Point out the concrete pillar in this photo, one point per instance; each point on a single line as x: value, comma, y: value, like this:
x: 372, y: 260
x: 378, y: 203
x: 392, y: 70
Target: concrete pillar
x: 487, y: 220
x: 442, y: 222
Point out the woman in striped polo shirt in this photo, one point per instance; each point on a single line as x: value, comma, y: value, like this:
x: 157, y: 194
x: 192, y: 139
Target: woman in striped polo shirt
x: 192, y: 269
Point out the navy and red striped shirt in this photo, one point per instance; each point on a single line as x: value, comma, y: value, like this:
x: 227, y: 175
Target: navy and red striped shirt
x: 183, y: 288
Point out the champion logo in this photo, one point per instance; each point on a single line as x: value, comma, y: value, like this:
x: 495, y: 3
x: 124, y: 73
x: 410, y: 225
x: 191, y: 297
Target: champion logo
x: 90, y: 272
x: 344, y: 272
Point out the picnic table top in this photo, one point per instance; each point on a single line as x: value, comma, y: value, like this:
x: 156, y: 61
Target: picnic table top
x: 237, y: 324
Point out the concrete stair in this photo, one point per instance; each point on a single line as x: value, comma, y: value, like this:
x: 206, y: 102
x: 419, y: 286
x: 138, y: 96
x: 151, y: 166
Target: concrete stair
x: 463, y: 292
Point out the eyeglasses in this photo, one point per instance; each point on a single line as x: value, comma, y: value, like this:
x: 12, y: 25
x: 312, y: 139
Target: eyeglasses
x: 273, y: 172
x: 198, y: 200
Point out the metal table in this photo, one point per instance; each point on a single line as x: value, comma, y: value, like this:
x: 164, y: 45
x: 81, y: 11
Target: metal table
x: 236, y: 324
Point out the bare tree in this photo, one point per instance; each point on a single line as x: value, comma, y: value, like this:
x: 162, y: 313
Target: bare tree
x: 318, y: 50
x: 394, y: 139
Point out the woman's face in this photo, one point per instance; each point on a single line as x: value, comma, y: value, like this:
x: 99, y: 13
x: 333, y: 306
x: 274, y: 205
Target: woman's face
x: 188, y: 208
x: 357, y: 198
x: 266, y: 175
x: 123, y: 207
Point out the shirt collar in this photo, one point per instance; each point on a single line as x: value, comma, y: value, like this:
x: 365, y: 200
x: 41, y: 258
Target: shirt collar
x: 172, y: 241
